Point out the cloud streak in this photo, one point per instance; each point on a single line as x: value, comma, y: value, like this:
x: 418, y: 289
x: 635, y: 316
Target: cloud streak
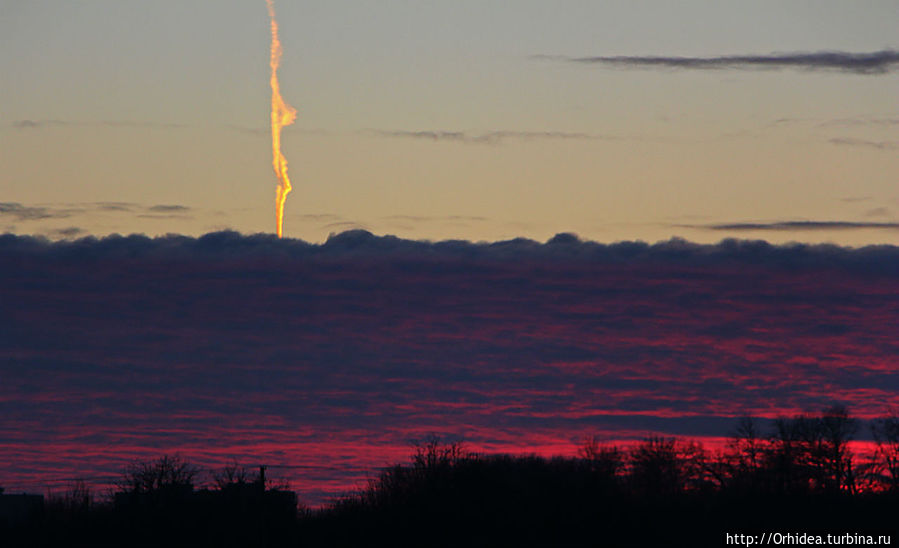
x: 68, y: 232
x: 798, y: 225
x: 862, y: 121
x: 42, y: 124
x: 879, y: 145
x: 871, y: 63
x: 168, y: 208
x: 489, y: 137
x: 21, y: 212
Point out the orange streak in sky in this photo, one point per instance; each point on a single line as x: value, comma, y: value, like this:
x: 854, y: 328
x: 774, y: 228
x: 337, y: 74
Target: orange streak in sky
x: 282, y: 115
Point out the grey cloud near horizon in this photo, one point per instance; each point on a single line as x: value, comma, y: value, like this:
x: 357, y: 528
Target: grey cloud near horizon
x: 879, y: 145
x: 488, y: 137
x: 797, y: 225
x: 26, y: 124
x: 872, y: 122
x: 870, y: 63
x: 351, y: 225
x: 33, y: 124
x: 862, y: 121
x: 115, y: 206
x: 168, y: 208
x: 24, y: 212
x: 21, y: 212
x: 68, y: 232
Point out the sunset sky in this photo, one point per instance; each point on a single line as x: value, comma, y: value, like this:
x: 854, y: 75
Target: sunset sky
x: 336, y: 357
x: 512, y: 223
x: 477, y: 120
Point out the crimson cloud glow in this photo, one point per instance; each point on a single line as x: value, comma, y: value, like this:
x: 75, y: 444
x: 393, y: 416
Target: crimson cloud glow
x: 334, y: 357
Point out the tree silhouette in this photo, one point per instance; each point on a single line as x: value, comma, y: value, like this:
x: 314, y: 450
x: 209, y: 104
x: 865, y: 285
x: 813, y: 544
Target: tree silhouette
x: 655, y: 467
x: 78, y: 498
x: 800, y: 476
x: 606, y: 461
x: 744, y: 458
x: 433, y: 454
x: 836, y: 428
x: 789, y: 456
x: 165, y: 473
x: 886, y: 458
x: 233, y: 474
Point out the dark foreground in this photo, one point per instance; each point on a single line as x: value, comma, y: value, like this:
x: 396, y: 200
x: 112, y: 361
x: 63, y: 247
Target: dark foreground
x: 793, y: 486
x: 493, y: 501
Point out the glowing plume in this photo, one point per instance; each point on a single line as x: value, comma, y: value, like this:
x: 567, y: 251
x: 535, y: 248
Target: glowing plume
x: 282, y: 115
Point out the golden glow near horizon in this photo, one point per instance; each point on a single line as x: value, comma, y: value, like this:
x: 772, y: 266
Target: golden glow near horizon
x: 445, y: 122
x: 282, y: 115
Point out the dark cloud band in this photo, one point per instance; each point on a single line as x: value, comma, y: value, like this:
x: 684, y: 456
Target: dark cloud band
x: 799, y: 225
x: 364, y: 246
x: 337, y: 354
x: 489, y: 137
x: 877, y: 62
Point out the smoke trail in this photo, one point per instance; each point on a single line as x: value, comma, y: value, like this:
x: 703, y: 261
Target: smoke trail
x: 282, y: 115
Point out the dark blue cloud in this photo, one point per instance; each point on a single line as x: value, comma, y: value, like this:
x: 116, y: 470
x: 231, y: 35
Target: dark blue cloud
x: 247, y: 346
x: 363, y: 245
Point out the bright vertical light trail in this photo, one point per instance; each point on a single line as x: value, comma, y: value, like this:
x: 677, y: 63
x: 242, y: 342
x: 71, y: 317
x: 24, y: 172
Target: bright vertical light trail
x: 282, y: 115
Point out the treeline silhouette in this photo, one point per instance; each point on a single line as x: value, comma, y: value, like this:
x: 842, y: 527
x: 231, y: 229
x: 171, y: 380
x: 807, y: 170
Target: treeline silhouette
x: 800, y: 476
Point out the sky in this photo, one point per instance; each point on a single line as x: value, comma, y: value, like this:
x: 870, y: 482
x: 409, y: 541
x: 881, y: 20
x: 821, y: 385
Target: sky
x: 335, y: 358
x: 512, y: 223
x: 483, y: 121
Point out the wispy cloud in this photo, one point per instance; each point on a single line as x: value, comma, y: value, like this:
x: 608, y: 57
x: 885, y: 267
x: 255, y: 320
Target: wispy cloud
x: 796, y: 225
x: 115, y: 206
x: 21, y: 212
x: 876, y: 62
x: 34, y: 124
x: 488, y: 137
x: 68, y: 232
x: 884, y: 122
x: 38, y: 124
x: 25, y: 212
x: 873, y: 122
x: 345, y: 225
x: 880, y: 145
x: 168, y: 208
x: 180, y: 216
